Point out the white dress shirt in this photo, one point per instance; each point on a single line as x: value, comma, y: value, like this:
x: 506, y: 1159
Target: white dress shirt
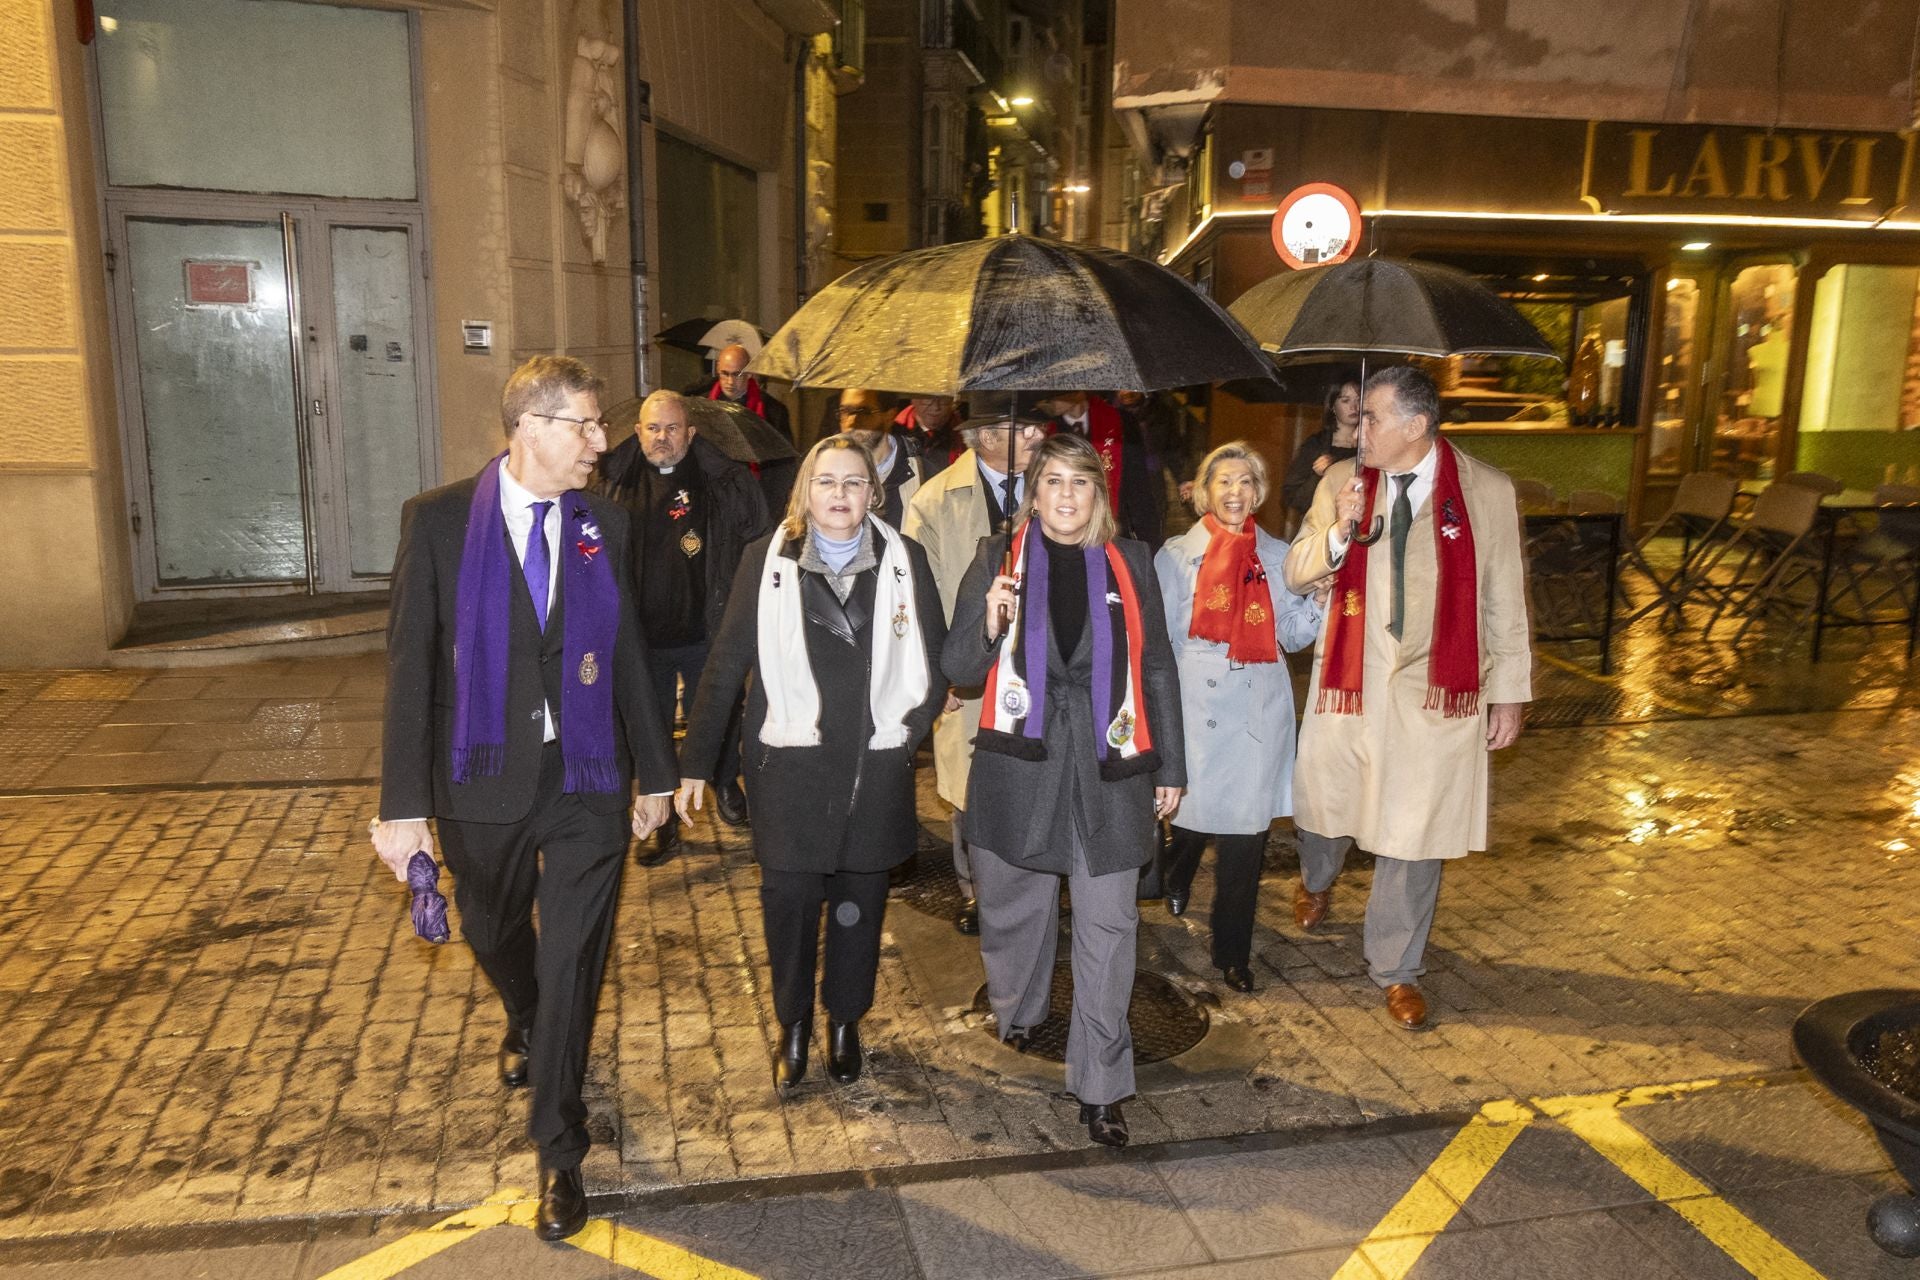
x: 1417, y: 494
x: 516, y: 508
x: 998, y: 479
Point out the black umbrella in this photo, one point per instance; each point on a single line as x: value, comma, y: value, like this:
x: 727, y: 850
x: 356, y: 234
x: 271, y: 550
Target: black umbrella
x: 734, y: 429
x: 1009, y: 314
x: 1387, y: 306
x: 1384, y: 305
x: 697, y: 335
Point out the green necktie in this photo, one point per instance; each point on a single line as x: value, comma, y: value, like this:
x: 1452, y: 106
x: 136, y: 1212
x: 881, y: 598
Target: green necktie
x: 1402, y: 522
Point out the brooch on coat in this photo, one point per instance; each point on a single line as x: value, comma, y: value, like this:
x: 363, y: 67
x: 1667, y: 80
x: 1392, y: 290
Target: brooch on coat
x: 1450, y: 520
x: 589, y: 542
x: 682, y: 503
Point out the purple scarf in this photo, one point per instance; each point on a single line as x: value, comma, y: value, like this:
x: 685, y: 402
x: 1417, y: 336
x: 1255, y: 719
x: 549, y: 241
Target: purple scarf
x: 483, y: 606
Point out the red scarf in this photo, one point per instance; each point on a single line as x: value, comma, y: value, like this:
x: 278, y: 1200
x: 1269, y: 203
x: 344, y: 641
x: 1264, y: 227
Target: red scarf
x: 755, y: 402
x: 1104, y: 434
x: 1232, y: 604
x: 1453, y: 663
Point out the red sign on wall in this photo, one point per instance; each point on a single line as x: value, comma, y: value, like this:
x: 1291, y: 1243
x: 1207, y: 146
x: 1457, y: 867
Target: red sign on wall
x: 213, y: 284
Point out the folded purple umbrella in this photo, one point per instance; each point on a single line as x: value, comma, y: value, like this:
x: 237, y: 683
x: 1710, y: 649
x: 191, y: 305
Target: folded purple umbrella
x: 429, y: 904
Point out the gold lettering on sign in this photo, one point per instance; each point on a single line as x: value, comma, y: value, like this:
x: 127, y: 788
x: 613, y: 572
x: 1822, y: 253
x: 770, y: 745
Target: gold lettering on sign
x: 1708, y: 177
x: 1638, y: 181
x: 1766, y: 158
x: 1859, y: 190
x: 1812, y: 167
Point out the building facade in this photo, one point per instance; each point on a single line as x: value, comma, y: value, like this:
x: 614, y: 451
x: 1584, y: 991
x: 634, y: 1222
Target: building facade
x: 1709, y: 208
x: 265, y: 264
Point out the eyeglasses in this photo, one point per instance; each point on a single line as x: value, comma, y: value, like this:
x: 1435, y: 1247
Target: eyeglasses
x: 851, y: 485
x: 584, y: 426
x: 860, y: 410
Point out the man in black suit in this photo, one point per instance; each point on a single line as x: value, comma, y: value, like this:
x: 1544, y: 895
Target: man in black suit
x: 515, y: 751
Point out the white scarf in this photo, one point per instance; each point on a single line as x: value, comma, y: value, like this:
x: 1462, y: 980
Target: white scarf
x: 899, y: 678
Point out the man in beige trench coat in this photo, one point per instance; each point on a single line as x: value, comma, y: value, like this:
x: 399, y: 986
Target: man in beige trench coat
x: 1433, y: 674
x: 948, y: 515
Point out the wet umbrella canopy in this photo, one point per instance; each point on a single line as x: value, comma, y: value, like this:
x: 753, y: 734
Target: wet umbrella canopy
x: 700, y: 335
x: 1009, y: 314
x: 734, y: 429
x: 1384, y: 305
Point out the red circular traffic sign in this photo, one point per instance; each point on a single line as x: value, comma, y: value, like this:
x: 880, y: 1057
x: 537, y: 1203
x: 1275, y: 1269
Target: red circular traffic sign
x: 1315, y: 225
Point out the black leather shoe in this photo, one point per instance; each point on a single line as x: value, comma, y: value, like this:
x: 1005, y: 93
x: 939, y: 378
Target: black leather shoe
x: 791, y: 1066
x: 1105, y: 1124
x: 1017, y: 1039
x: 1176, y: 903
x: 663, y: 844
x: 843, y: 1051
x: 967, y: 920
x: 731, y: 803
x: 563, y: 1203
x: 513, y: 1058
x: 1238, y: 976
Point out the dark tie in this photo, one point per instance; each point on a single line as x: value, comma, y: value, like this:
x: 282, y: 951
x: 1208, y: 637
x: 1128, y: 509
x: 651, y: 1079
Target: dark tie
x: 537, y: 563
x: 1402, y: 522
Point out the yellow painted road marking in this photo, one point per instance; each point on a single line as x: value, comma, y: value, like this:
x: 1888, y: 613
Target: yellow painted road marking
x: 1736, y: 1235
x: 410, y: 1250
x: 636, y: 1249
x: 1394, y: 1245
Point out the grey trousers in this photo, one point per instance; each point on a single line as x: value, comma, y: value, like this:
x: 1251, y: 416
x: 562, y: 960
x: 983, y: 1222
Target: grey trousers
x: 1019, y: 932
x: 1399, y: 910
x: 962, y: 859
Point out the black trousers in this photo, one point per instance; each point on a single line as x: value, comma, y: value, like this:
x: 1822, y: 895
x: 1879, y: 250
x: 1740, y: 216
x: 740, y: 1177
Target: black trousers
x: 548, y: 983
x: 1236, y: 886
x: 790, y: 903
x: 686, y: 664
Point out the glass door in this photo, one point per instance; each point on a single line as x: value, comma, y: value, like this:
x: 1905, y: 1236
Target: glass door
x: 276, y: 399
x: 1753, y: 345
x: 210, y: 318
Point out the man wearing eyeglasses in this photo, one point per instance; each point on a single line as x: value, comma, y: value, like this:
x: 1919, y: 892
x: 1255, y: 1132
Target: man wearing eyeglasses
x: 948, y: 517
x: 868, y: 417
x: 694, y: 511
x: 519, y: 717
x: 730, y: 381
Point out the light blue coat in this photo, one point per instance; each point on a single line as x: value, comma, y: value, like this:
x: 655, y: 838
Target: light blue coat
x: 1239, y: 719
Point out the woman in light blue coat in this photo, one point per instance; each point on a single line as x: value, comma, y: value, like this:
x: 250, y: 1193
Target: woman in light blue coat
x: 1230, y: 623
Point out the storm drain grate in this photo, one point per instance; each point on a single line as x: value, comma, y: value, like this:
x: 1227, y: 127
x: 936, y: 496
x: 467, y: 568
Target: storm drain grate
x: 1166, y: 1020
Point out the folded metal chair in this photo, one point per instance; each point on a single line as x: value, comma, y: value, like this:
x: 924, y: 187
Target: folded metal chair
x: 1699, y: 517
x: 1777, y: 555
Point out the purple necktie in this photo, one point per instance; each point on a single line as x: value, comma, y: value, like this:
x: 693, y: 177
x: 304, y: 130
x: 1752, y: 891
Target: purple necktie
x: 536, y: 564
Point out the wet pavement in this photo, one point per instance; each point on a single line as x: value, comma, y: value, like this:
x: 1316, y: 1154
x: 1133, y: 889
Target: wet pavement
x: 222, y: 1030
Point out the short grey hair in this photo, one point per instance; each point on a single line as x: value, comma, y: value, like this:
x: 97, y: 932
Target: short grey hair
x: 662, y: 397
x: 1231, y: 451
x: 1413, y: 390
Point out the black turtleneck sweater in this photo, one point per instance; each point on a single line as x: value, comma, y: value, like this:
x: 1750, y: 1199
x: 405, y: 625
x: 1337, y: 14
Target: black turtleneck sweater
x: 1066, y: 593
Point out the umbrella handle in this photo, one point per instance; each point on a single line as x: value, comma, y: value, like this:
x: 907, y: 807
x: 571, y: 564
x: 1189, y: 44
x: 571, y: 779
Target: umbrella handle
x: 1371, y: 536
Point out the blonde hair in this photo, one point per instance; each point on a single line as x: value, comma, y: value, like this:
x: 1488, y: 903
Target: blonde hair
x: 541, y: 383
x: 795, y: 521
x: 1081, y: 459
x: 1231, y: 451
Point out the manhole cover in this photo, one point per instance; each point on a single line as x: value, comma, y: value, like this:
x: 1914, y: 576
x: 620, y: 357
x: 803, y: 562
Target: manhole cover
x: 927, y: 884
x: 1166, y: 1020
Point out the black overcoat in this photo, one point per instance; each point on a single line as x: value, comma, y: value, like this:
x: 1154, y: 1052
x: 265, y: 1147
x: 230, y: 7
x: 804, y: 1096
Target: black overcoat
x: 416, y: 761
x: 1033, y: 812
x: 838, y: 806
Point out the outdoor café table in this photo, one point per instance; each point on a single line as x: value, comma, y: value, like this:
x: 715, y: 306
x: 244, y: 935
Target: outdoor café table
x: 1565, y: 550
x: 1849, y: 508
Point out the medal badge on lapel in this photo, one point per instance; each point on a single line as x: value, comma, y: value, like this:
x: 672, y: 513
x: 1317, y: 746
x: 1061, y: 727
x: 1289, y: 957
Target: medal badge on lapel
x: 589, y: 668
x: 1015, y: 699
x: 900, y: 620
x: 1450, y: 521
x: 690, y: 542
x: 589, y: 544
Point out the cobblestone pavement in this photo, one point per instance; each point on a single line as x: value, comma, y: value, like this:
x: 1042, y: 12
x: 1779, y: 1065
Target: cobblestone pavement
x: 218, y: 1013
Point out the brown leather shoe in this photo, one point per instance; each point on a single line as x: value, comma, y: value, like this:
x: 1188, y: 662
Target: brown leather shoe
x: 1310, y: 908
x: 1406, y: 1006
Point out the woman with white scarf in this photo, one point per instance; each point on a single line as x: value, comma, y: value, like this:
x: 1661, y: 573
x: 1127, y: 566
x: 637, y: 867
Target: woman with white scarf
x: 838, y: 618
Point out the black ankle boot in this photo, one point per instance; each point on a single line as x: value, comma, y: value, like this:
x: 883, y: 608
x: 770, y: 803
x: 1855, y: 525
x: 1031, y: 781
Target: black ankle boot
x: 791, y: 1065
x: 1105, y: 1124
x: 843, y: 1051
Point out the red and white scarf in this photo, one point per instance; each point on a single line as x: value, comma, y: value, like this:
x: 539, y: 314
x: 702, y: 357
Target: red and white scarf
x: 1014, y: 704
x: 1453, y: 662
x: 1232, y: 603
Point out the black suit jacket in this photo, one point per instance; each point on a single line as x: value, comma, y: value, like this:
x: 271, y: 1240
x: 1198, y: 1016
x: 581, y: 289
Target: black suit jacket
x: 416, y: 764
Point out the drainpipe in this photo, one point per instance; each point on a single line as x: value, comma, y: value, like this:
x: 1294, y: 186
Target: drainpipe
x: 801, y: 64
x: 639, y: 112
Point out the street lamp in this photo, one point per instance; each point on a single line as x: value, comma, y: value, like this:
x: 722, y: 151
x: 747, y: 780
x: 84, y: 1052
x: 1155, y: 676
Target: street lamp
x: 1021, y: 100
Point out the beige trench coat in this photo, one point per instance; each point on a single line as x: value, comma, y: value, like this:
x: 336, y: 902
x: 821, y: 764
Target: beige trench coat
x: 1403, y: 781
x: 948, y: 516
